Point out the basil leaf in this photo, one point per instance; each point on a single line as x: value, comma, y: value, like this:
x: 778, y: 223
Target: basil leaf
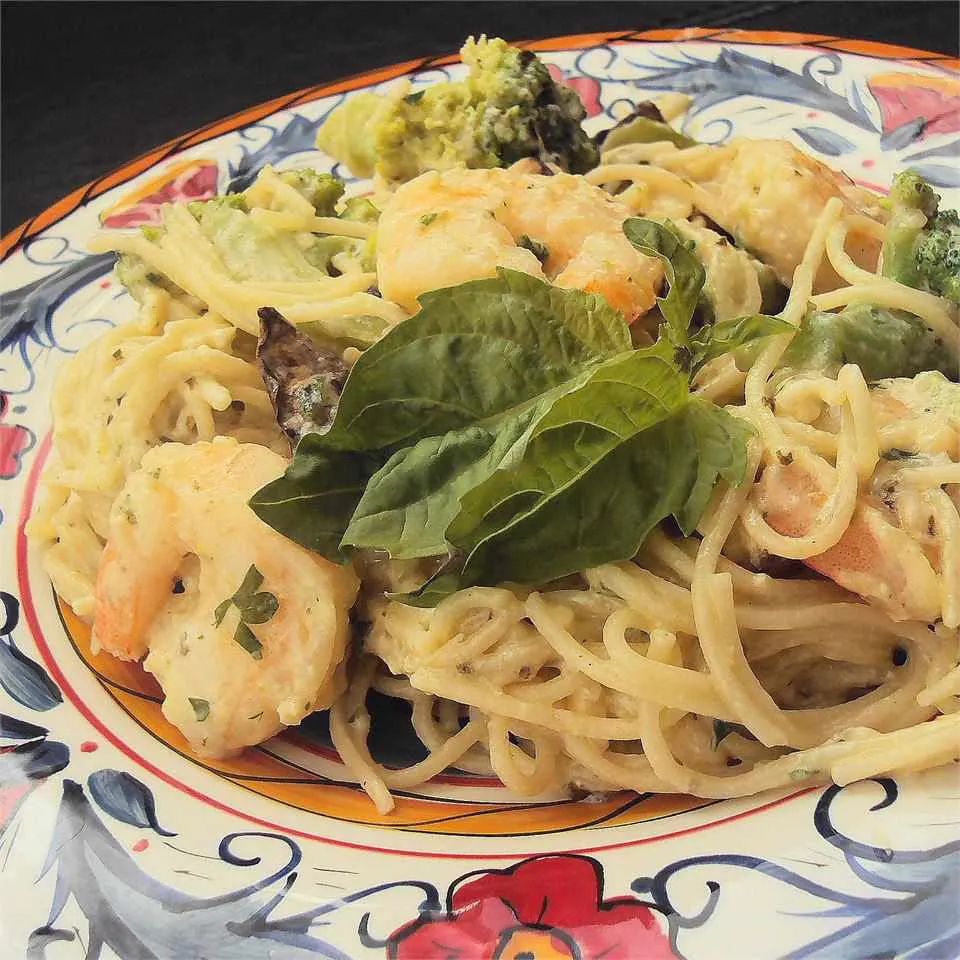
x: 684, y: 272
x: 623, y: 398
x: 313, y: 501
x: 727, y: 336
x: 471, y: 352
x: 409, y: 503
x: 723, y: 728
x: 719, y: 444
x: 248, y: 640
x: 201, y: 708
x: 259, y: 608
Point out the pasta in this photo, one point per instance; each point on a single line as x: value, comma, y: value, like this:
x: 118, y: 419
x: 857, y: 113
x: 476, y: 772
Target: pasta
x: 684, y: 669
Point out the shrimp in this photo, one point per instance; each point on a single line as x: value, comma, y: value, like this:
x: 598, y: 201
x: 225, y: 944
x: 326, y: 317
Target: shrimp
x: 442, y: 229
x: 182, y: 540
x: 889, y: 553
x: 768, y: 194
x: 874, y: 558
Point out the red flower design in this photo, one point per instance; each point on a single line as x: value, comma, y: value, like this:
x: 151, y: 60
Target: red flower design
x: 586, y: 87
x: 545, y: 908
x: 189, y: 180
x: 904, y: 97
x: 15, y: 441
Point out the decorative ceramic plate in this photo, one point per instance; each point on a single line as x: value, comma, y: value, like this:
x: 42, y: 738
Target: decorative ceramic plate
x: 115, y: 840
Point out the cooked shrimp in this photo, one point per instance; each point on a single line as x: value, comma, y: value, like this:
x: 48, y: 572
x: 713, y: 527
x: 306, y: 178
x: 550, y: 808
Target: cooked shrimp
x: 891, y: 552
x: 875, y: 557
x: 442, y: 229
x: 182, y: 541
x: 768, y: 194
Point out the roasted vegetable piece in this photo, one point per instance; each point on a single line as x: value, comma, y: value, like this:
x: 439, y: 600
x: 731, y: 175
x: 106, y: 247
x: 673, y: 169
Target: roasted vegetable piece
x: 645, y: 124
x: 304, y: 379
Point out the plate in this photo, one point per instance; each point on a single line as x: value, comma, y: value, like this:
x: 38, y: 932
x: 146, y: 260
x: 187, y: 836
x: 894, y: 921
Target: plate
x: 115, y: 841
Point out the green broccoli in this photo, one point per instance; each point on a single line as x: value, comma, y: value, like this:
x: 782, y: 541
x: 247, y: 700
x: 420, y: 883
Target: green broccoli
x: 883, y: 343
x: 323, y: 190
x: 507, y: 108
x: 922, y: 247
x: 938, y: 255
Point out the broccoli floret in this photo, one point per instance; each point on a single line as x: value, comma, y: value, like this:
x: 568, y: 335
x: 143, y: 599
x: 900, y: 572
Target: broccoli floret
x: 911, y: 192
x: 938, y: 255
x: 360, y: 209
x: 883, y: 343
x: 922, y: 246
x: 323, y: 190
x: 507, y: 108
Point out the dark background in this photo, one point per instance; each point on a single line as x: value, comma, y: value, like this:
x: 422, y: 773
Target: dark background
x: 87, y: 86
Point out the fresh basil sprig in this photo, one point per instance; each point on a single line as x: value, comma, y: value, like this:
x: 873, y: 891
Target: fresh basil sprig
x: 509, y: 427
x: 685, y: 277
x: 684, y: 273
x: 253, y: 606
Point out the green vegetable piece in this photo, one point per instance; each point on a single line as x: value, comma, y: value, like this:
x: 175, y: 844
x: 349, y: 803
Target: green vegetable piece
x: 883, y: 343
x: 736, y: 334
x: 248, y: 640
x: 922, y: 247
x: 323, y: 190
x: 909, y: 191
x: 938, y: 255
x: 250, y: 250
x: 428, y: 218
x: 507, y: 108
x: 201, y: 708
x: 645, y: 130
x: 359, y: 210
x: 339, y: 332
x: 684, y: 272
x: 540, y: 250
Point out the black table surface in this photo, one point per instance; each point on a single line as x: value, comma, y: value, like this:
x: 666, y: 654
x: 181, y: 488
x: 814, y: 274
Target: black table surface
x: 87, y: 86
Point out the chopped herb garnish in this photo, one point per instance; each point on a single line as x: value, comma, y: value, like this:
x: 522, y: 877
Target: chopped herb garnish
x: 248, y: 640
x: 428, y: 218
x: 254, y: 605
x: 201, y: 708
x: 723, y: 729
x: 540, y: 250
